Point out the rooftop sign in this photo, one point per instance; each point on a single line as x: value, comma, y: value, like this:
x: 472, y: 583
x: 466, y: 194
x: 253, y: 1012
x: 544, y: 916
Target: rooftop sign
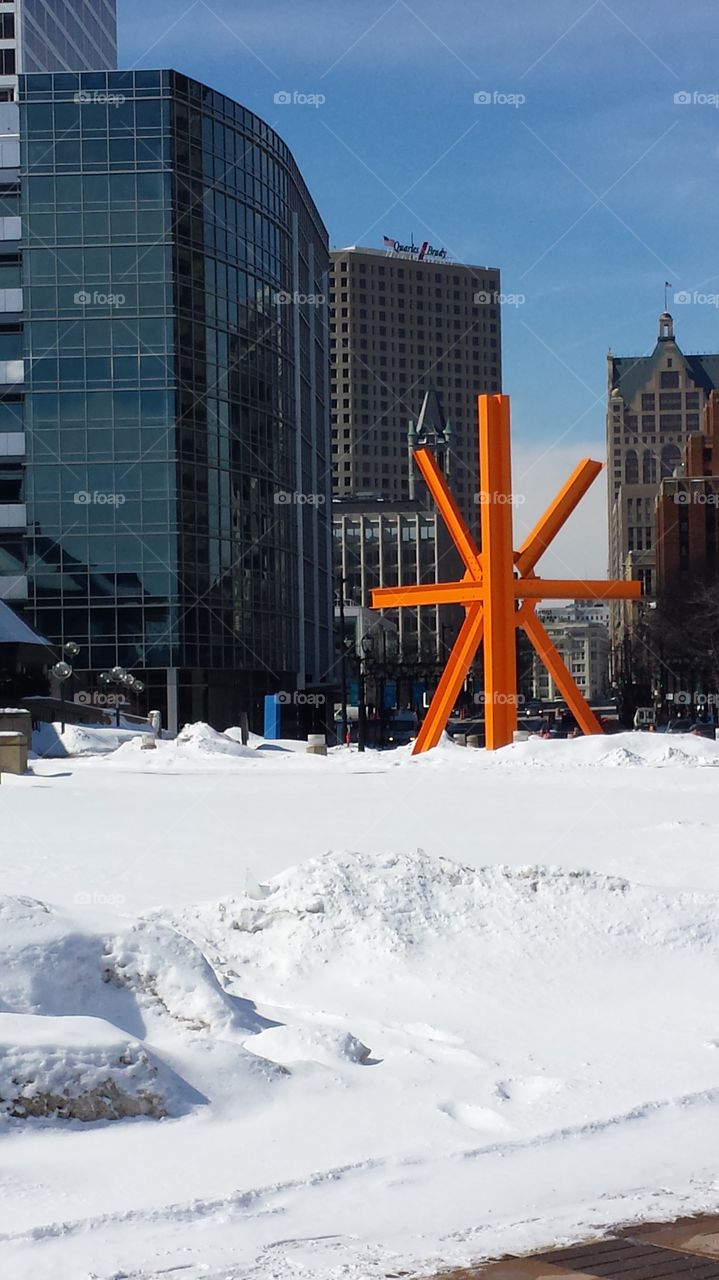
x: 425, y: 252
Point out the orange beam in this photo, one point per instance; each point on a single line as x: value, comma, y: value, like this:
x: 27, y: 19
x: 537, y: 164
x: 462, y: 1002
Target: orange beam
x: 556, y: 515
x: 581, y: 710
x: 500, y: 667
x: 453, y: 677
x: 449, y: 511
x: 468, y: 592
x: 565, y: 589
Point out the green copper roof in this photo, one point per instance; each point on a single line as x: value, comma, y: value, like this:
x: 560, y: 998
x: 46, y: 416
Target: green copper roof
x: 631, y: 373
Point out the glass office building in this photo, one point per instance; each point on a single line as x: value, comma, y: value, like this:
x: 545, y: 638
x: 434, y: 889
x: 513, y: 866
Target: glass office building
x: 35, y: 35
x: 176, y: 373
x: 55, y: 35
x: 58, y: 35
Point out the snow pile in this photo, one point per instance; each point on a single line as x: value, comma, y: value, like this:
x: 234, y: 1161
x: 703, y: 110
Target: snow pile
x: 620, y: 750
x: 359, y: 917
x: 168, y: 975
x: 609, y: 751
x: 75, y: 1069
x: 82, y: 1011
x: 199, y: 739
x: 318, y: 1044
x: 49, y: 742
x: 197, y: 746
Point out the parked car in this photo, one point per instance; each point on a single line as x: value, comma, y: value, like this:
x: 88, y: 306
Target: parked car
x: 644, y: 717
x: 530, y: 724
x: 702, y: 730
x: 682, y: 725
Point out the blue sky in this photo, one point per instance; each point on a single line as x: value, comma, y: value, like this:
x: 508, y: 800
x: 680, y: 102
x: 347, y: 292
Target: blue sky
x: 588, y: 195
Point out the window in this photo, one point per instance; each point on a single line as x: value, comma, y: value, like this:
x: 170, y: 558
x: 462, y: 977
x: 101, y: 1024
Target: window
x: 667, y: 379
x: 7, y: 26
x: 7, y: 62
x: 671, y: 459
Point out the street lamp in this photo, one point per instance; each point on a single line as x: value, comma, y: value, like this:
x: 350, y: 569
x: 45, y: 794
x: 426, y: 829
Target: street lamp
x: 62, y: 672
x: 118, y: 675
x: 366, y: 650
x: 384, y: 645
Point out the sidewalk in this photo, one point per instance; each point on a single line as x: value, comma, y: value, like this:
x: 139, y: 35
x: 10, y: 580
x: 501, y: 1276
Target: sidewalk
x: 687, y: 1249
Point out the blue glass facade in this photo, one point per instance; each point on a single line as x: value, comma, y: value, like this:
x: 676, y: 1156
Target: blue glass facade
x: 176, y: 389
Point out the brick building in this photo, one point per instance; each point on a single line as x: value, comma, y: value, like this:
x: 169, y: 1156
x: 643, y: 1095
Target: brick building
x: 687, y: 511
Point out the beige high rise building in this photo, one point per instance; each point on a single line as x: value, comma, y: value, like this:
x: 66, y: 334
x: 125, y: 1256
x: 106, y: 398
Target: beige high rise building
x: 655, y: 402
x: 406, y: 321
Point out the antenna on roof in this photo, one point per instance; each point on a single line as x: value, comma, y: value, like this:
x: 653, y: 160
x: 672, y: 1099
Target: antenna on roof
x: 667, y: 285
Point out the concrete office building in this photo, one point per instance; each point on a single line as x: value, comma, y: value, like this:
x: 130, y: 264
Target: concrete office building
x: 380, y: 542
x: 580, y: 633
x: 404, y: 321
x: 176, y: 417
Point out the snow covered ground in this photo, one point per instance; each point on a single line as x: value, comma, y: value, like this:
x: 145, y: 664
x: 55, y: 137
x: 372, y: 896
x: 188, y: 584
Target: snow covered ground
x: 271, y: 1015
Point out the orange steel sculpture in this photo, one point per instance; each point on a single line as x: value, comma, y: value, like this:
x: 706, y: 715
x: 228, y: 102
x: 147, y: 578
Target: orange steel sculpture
x: 495, y: 580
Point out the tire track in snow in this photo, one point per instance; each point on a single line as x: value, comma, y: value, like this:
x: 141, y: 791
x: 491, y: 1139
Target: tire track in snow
x: 257, y: 1198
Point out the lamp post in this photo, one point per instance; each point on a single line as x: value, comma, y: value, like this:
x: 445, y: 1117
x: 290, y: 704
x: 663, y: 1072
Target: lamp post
x: 383, y: 647
x: 365, y: 650
x: 343, y: 655
x: 123, y: 678
x: 62, y: 672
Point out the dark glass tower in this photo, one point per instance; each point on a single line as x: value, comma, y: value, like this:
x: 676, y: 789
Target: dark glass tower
x: 58, y: 35
x: 176, y: 391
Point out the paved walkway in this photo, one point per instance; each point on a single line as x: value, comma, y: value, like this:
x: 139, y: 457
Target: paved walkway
x: 687, y: 1249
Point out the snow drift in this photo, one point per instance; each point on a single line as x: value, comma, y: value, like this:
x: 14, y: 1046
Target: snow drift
x: 80, y: 1012
x: 78, y: 1069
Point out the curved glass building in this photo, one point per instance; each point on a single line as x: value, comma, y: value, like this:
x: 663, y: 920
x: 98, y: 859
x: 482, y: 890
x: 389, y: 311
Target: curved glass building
x: 175, y: 373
